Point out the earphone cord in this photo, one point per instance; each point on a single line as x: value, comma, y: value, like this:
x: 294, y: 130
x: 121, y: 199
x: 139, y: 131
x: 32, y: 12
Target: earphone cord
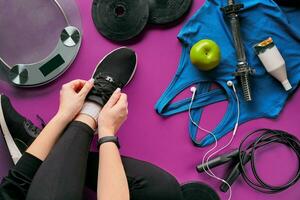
x: 207, y: 169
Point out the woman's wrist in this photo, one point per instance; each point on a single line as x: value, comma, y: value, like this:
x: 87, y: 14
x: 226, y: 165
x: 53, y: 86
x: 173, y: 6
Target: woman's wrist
x: 103, y: 132
x: 60, y: 116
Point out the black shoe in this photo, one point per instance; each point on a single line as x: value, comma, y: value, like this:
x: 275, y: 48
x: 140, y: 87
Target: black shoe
x: 18, y: 132
x: 114, y: 71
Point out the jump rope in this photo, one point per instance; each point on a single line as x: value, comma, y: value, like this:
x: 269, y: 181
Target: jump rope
x: 266, y: 137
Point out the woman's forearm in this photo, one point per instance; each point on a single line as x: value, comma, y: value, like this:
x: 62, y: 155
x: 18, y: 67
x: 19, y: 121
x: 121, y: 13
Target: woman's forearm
x: 43, y: 144
x: 112, y: 181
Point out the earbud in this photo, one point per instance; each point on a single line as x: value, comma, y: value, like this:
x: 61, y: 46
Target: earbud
x: 231, y: 84
x: 193, y: 90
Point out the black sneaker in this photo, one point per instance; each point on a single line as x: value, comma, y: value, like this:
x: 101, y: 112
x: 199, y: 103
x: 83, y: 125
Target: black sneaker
x: 18, y: 132
x: 114, y: 71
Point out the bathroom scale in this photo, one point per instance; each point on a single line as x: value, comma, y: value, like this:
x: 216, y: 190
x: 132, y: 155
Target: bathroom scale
x: 39, y: 40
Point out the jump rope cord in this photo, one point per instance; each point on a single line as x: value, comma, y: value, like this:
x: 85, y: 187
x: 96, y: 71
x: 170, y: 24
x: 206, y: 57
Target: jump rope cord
x: 247, y: 151
x: 207, y: 170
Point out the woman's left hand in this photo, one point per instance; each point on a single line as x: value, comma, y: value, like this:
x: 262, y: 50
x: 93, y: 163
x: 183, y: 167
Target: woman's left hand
x: 72, y: 97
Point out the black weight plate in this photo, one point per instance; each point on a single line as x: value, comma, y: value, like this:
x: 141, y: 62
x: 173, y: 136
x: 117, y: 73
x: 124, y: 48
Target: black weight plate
x: 120, y: 20
x: 166, y: 11
x: 198, y: 191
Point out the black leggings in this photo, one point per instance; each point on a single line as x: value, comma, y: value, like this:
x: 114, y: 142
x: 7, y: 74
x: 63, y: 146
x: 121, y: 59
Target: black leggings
x: 70, y: 166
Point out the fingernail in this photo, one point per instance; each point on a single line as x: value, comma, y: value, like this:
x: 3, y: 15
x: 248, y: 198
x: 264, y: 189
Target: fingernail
x: 91, y: 80
x: 118, y: 90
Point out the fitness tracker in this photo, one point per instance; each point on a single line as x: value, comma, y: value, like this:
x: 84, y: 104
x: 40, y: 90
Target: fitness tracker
x: 106, y: 139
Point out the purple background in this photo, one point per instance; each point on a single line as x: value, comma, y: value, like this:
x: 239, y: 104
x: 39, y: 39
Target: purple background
x: 147, y: 136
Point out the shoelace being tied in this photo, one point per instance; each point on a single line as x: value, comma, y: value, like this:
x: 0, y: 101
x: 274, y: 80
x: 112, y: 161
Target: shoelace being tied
x: 104, y: 86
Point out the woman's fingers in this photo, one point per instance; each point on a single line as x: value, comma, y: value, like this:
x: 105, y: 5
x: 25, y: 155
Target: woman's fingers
x: 74, y: 86
x: 75, y: 83
x: 114, y: 98
x: 86, y: 88
x: 122, y: 102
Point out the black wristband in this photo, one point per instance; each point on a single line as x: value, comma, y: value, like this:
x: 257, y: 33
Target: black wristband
x: 113, y: 139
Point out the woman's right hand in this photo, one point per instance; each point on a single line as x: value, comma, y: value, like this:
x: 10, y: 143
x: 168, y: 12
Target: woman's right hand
x: 113, y: 114
x: 72, y: 97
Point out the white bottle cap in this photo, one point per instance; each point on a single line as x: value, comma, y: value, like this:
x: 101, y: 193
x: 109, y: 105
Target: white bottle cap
x: 286, y: 84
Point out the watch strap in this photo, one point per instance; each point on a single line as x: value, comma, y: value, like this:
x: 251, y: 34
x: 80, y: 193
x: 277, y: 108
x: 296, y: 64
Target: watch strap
x: 106, y: 139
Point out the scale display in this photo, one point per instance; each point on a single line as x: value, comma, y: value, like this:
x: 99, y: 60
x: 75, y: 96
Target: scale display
x: 52, y: 65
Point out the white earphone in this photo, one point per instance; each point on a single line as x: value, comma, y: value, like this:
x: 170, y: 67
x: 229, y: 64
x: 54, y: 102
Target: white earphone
x: 193, y: 90
x: 207, y: 157
x: 230, y: 84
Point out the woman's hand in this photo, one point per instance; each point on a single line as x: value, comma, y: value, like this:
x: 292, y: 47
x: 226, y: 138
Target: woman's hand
x: 72, y: 97
x: 113, y: 114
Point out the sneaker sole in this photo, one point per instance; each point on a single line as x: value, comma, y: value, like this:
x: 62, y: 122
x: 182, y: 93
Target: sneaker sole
x: 12, y: 147
x: 134, y: 70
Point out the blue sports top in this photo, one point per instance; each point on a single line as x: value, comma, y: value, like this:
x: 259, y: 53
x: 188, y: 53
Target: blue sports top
x: 259, y: 20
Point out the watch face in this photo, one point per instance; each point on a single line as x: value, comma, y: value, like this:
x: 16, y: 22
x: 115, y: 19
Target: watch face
x: 106, y: 139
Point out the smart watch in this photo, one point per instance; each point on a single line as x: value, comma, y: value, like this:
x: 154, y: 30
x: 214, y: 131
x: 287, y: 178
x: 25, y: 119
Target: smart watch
x: 106, y: 139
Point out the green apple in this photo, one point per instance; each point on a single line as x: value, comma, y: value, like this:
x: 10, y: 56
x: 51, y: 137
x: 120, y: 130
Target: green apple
x: 205, y: 54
